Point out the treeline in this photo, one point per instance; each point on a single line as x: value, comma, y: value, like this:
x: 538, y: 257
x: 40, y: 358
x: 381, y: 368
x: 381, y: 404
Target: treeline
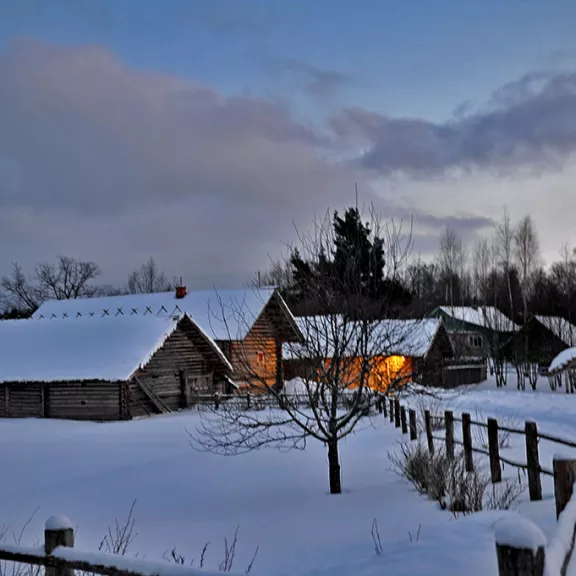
x: 350, y: 263
x: 504, y: 269
x: 21, y: 294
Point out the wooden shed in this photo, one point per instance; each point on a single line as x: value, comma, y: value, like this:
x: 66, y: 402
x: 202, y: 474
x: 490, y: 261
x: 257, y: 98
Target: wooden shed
x: 400, y: 350
x: 475, y: 330
x: 542, y: 338
x: 248, y: 325
x: 105, y: 369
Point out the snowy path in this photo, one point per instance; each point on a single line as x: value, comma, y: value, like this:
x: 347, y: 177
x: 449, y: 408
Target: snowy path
x: 92, y: 473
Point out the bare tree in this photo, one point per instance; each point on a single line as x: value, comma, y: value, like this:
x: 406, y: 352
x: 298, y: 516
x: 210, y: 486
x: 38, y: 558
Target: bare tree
x: 482, y: 264
x: 148, y: 279
x: 340, y: 362
x: 66, y: 279
x: 452, y: 262
x: 527, y: 249
x: 504, y: 250
x: 278, y: 275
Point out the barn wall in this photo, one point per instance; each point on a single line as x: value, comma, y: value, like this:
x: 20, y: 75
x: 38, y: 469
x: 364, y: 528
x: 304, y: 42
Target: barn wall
x: 88, y: 400
x: 178, y: 359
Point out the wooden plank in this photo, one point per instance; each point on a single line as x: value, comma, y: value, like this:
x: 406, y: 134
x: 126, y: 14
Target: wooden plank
x: 494, y: 450
x: 429, y: 436
x: 449, y: 425
x: 156, y: 402
x: 467, y: 442
x: 533, y: 462
x: 413, y: 424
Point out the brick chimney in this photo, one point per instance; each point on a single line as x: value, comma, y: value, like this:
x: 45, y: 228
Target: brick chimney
x: 180, y: 290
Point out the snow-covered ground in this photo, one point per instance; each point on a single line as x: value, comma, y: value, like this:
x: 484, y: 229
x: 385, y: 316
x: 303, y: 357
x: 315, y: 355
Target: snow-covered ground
x: 92, y: 473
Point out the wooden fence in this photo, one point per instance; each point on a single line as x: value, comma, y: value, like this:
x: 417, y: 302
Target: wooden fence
x: 263, y: 401
x: 513, y: 560
x: 400, y: 415
x: 59, y: 558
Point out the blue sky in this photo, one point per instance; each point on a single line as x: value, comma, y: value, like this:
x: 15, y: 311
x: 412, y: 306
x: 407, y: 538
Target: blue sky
x: 402, y: 57
x: 98, y: 131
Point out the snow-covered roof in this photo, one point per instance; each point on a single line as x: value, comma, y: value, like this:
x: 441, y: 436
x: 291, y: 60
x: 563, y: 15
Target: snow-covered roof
x: 563, y: 360
x: 560, y: 327
x: 327, y: 334
x: 222, y: 314
x: 79, y: 349
x: 483, y: 316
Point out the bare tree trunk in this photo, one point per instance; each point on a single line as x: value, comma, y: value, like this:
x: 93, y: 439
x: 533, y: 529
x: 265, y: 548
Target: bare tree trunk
x: 334, y: 467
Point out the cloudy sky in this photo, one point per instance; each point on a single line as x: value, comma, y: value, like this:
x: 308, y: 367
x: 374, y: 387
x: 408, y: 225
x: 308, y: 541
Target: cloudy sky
x: 201, y: 132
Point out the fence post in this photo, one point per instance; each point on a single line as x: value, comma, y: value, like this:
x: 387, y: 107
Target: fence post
x: 467, y: 442
x: 58, y: 531
x: 494, y: 450
x: 397, y: 422
x: 216, y: 401
x: 391, y: 409
x: 520, y: 546
x: 379, y: 404
x: 533, y: 461
x: 403, y: 420
x: 564, y: 478
x: 428, y: 424
x: 449, y: 423
x: 248, y: 401
x: 413, y: 424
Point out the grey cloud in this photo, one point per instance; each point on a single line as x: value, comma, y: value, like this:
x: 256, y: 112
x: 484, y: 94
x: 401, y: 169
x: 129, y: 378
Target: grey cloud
x: 527, y: 123
x: 101, y: 161
x: 82, y: 131
x: 460, y: 223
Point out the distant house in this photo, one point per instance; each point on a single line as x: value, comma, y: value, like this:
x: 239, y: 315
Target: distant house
x: 105, y: 369
x: 403, y: 350
x: 248, y: 325
x: 542, y: 338
x: 475, y: 330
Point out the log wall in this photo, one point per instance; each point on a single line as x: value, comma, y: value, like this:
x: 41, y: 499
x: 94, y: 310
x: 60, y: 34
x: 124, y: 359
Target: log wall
x: 255, y: 359
x: 86, y: 400
x: 89, y: 400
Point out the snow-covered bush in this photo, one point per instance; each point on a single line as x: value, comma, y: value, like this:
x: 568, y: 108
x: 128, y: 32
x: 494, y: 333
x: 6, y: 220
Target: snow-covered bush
x: 446, y: 481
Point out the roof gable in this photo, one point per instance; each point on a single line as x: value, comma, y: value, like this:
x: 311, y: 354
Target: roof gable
x: 488, y: 317
x: 80, y: 349
x: 221, y: 314
x: 560, y: 327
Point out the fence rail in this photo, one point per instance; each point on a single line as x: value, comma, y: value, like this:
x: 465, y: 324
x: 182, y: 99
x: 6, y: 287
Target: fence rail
x: 59, y: 557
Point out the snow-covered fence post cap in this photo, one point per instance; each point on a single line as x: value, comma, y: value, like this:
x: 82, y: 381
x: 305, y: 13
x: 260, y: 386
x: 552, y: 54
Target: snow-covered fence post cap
x: 520, y: 547
x: 58, y: 531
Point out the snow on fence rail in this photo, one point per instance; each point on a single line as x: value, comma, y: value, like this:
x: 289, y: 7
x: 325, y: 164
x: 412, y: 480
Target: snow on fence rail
x: 521, y: 547
x: 59, y: 557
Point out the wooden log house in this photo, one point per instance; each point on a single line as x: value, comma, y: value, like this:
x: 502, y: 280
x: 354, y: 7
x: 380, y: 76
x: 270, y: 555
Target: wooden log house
x: 402, y: 351
x: 248, y: 325
x: 105, y: 369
